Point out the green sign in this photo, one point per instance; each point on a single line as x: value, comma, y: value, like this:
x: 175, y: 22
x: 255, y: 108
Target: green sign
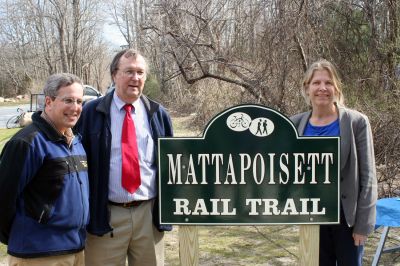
x: 250, y: 167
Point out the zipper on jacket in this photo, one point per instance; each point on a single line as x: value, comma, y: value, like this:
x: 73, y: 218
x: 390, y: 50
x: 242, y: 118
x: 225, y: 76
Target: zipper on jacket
x: 41, y: 216
x: 80, y: 187
x: 69, y: 170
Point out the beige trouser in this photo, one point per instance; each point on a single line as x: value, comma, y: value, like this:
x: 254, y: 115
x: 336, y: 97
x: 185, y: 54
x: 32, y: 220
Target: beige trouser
x: 75, y: 259
x: 134, y: 236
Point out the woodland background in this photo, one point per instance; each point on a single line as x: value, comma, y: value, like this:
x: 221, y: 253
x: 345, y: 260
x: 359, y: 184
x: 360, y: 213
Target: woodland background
x: 207, y: 55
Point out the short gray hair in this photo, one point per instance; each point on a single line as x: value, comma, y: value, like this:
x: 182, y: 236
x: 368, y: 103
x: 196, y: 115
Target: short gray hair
x: 58, y: 81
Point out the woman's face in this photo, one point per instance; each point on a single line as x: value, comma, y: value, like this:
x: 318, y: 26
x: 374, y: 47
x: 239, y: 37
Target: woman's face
x: 321, y: 90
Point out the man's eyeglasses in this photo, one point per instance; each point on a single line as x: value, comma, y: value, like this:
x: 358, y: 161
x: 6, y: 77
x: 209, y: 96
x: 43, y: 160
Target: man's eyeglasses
x: 71, y: 101
x: 131, y: 73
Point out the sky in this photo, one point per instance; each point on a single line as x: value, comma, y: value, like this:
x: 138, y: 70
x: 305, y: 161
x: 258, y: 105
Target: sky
x: 113, y: 35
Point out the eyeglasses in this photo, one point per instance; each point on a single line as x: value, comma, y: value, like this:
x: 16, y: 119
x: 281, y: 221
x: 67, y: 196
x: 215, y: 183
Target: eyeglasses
x: 131, y: 73
x: 71, y: 101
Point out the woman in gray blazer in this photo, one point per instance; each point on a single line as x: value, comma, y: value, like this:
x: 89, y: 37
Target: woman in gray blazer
x: 321, y: 88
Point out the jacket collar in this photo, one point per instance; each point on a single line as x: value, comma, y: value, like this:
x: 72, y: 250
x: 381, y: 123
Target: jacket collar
x: 50, y: 132
x: 345, y: 132
x: 105, y: 103
x: 303, y: 122
x: 151, y: 106
x: 345, y: 136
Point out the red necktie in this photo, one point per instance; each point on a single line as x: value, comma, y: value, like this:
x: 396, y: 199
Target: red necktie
x: 130, y: 157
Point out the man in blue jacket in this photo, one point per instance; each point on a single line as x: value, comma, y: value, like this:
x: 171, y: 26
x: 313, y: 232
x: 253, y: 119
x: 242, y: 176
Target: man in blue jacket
x: 120, y: 132
x: 44, y: 184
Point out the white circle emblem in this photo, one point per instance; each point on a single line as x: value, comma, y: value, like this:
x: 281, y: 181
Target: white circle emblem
x: 238, y: 121
x: 261, y: 127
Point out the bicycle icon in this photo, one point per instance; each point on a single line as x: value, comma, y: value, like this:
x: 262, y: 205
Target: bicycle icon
x: 238, y: 121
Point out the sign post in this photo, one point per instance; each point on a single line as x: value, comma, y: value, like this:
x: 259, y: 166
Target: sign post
x: 250, y: 167
x: 188, y: 245
x: 309, y: 245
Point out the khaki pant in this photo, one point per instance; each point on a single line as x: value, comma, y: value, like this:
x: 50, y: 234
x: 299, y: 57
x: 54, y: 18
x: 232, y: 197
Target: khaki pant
x: 134, y: 237
x: 75, y: 259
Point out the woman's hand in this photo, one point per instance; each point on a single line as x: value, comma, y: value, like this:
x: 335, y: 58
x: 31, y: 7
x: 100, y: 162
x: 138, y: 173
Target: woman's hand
x: 359, y: 240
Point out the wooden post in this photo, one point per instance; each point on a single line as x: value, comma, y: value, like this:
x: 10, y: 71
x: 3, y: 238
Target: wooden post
x: 188, y: 245
x: 309, y: 245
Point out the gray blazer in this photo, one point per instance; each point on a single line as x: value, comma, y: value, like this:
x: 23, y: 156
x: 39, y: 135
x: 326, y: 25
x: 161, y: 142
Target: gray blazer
x: 358, y: 184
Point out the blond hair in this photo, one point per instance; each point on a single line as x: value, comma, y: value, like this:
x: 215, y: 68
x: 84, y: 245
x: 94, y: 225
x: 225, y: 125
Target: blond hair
x: 328, y: 66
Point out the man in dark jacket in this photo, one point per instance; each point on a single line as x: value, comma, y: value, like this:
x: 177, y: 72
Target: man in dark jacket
x: 120, y: 132
x: 44, y: 184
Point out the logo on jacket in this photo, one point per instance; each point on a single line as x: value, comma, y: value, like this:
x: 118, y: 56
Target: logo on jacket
x: 84, y: 163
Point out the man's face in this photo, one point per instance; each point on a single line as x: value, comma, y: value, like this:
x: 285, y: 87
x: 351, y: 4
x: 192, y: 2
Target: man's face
x: 64, y: 110
x: 130, y: 77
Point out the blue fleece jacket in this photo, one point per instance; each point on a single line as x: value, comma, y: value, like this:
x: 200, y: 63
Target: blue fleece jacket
x: 44, y: 200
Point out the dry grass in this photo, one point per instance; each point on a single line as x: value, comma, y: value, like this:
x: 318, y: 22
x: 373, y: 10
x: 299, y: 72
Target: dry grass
x: 263, y: 245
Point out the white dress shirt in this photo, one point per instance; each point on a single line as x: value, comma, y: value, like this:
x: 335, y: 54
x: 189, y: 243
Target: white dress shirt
x: 147, y: 189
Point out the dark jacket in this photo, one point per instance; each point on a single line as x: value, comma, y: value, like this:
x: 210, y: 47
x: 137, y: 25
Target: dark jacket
x: 44, y: 203
x: 95, y: 127
x: 358, y: 183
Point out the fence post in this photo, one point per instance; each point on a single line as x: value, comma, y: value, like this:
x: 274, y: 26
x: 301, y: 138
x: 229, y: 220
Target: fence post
x: 188, y: 245
x: 309, y: 245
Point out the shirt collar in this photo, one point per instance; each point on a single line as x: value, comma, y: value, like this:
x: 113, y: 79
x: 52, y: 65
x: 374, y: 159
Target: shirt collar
x: 120, y: 103
x: 68, y: 136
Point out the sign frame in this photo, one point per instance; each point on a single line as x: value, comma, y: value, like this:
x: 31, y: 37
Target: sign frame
x: 254, y: 221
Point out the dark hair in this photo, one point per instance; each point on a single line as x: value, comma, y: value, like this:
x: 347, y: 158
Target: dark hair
x: 127, y: 53
x: 57, y: 81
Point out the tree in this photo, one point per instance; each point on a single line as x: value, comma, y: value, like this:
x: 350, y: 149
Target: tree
x: 44, y: 37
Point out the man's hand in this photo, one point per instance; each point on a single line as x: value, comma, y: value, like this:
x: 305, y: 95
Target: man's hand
x: 359, y: 240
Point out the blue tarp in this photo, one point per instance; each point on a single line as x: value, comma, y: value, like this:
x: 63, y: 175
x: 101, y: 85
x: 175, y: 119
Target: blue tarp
x: 388, y: 212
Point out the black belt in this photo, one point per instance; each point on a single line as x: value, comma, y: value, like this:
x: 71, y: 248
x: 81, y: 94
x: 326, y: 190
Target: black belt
x: 131, y: 204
